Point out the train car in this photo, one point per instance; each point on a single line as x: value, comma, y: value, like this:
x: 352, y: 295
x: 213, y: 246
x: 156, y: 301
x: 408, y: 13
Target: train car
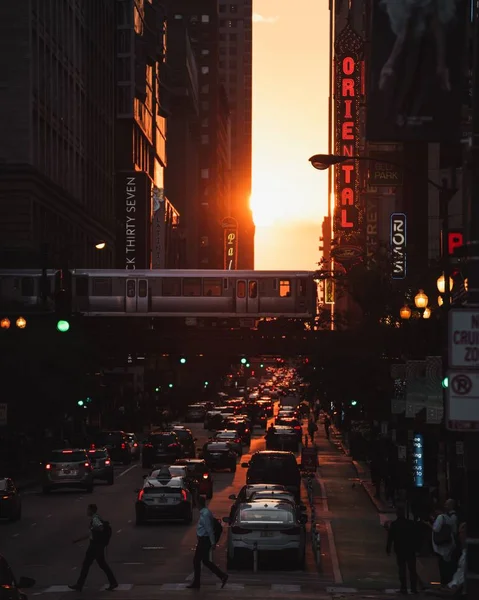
x: 177, y: 293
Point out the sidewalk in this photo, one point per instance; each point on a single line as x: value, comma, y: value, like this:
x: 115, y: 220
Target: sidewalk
x: 426, y: 565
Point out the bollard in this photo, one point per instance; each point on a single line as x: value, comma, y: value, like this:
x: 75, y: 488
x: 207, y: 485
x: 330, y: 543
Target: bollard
x: 255, y: 557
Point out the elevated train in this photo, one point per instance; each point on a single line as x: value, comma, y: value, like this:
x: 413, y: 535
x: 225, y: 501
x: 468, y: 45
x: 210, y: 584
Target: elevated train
x: 165, y: 293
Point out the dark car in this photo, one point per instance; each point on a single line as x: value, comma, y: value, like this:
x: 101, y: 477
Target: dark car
x: 195, y: 413
x: 10, y: 501
x: 199, y: 470
x: 274, y: 467
x: 102, y: 465
x: 11, y: 588
x: 219, y: 456
x: 161, y: 447
x: 281, y: 437
x: 291, y: 422
x: 186, y: 440
x: 242, y: 427
x: 117, y: 443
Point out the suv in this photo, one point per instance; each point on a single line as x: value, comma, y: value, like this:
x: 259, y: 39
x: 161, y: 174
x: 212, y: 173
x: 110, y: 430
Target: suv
x: 117, y: 443
x: 274, y: 467
x: 67, y: 469
x: 186, y: 440
x: 102, y: 465
x: 167, y: 497
x: 162, y: 447
x: 198, y: 469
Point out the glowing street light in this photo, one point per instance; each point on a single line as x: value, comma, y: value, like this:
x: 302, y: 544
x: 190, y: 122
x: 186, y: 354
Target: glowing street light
x: 405, y: 313
x: 21, y: 323
x: 441, y: 284
x: 427, y: 313
x: 5, y: 323
x: 100, y: 245
x: 420, y: 299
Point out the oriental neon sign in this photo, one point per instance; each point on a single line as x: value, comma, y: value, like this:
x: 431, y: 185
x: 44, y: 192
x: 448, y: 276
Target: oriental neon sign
x: 348, y: 93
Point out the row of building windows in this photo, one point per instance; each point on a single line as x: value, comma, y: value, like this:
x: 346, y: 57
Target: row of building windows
x: 194, y: 19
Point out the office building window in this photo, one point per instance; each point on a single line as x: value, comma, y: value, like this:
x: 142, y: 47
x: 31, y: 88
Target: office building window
x: 222, y: 50
x: 194, y: 19
x: 205, y: 139
x: 223, y: 23
x: 205, y: 18
x: 233, y: 64
x: 204, y: 123
x: 205, y: 52
x: 222, y: 37
x: 233, y: 8
x: 222, y: 64
x: 205, y: 89
x: 222, y: 7
x: 205, y: 173
x: 231, y: 24
x: 205, y: 105
x: 232, y: 49
x: 205, y: 70
x: 178, y: 17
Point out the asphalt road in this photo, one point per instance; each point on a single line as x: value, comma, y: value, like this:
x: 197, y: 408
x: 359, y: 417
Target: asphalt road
x: 156, y: 559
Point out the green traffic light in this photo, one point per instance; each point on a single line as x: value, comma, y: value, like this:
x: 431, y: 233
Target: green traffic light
x: 63, y: 326
x: 445, y: 383
x: 157, y: 389
x: 353, y: 402
x: 261, y: 366
x: 183, y: 361
x: 247, y: 365
x: 170, y: 385
x: 207, y: 383
x: 80, y: 403
x: 243, y: 361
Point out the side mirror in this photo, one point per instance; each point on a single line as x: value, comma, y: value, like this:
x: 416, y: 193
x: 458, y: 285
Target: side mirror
x: 232, y: 497
x: 26, y: 582
x: 245, y: 465
x: 303, y: 519
x: 226, y: 520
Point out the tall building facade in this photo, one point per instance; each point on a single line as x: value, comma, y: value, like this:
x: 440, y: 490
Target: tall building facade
x: 202, y: 23
x: 235, y: 66
x: 57, y: 133
x: 140, y: 134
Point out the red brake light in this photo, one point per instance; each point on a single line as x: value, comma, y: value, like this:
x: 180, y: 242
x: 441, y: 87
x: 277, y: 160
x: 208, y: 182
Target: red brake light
x: 107, y: 462
x: 246, y: 430
x: 135, y: 444
x: 205, y: 475
x: 174, y: 445
x: 183, y: 494
x: 87, y: 465
x: 123, y: 445
x: 147, y: 445
x: 92, y: 447
x: 297, y: 427
x: 48, y: 466
x: 237, y: 440
x: 141, y: 493
x: 67, y: 451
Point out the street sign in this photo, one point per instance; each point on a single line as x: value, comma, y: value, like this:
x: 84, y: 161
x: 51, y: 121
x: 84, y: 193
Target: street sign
x: 462, y: 401
x: 3, y: 414
x: 463, y: 339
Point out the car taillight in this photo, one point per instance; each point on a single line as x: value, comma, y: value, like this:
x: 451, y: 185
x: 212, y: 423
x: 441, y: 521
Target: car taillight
x: 173, y: 445
x: 135, y: 445
x: 246, y: 430
x: 237, y: 529
x: 5, y: 497
x: 141, y: 493
x: 87, y: 465
x: 148, y: 445
x: 297, y: 428
x: 123, y: 446
x: 237, y: 440
x: 292, y: 531
x: 205, y: 475
x: 184, y: 495
x: 48, y: 467
x: 107, y: 462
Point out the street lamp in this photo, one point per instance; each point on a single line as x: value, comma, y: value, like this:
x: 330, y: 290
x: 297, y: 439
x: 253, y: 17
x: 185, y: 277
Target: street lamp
x: 440, y: 300
x: 100, y: 245
x: 420, y: 299
x: 441, y: 284
x: 427, y: 313
x: 5, y: 323
x: 405, y: 312
x: 21, y: 323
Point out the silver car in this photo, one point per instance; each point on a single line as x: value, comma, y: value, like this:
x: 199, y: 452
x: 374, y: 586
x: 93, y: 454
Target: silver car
x: 102, y: 465
x: 232, y: 437
x: 69, y: 468
x: 268, y: 526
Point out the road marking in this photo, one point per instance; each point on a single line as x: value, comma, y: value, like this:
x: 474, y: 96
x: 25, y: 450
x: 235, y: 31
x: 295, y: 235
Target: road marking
x: 338, y: 578
x: 154, y: 548
x: 324, y: 496
x: 122, y: 587
x: 127, y: 470
x: 118, y: 531
x: 129, y: 520
x: 37, y: 594
x: 341, y: 590
x: 74, y: 568
x: 278, y: 587
x: 57, y: 589
x: 230, y: 586
x: 33, y: 525
x: 391, y: 591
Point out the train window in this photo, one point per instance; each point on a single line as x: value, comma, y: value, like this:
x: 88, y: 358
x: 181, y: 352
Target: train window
x: 253, y: 289
x: 302, y: 287
x: 241, y: 289
x: 101, y: 287
x: 191, y: 286
x: 211, y: 287
x: 28, y: 286
x: 142, y: 288
x: 130, y: 288
x: 225, y: 283
x: 284, y: 288
x: 172, y: 286
x: 81, y: 286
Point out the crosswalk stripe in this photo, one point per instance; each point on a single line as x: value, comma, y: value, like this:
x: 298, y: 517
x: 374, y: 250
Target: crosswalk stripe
x: 341, y: 590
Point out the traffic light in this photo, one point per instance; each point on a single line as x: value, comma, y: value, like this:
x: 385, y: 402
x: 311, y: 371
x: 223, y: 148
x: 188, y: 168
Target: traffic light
x: 157, y: 389
x: 244, y: 361
x: 353, y: 402
x: 183, y: 360
x: 80, y: 403
x: 63, y: 300
x: 445, y: 382
x: 261, y: 366
x: 63, y: 326
x: 207, y: 383
x: 170, y: 385
x: 247, y: 365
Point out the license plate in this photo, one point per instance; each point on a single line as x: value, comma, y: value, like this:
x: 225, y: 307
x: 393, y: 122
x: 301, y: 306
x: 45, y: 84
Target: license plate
x: 68, y: 473
x: 267, y: 534
x: 162, y: 500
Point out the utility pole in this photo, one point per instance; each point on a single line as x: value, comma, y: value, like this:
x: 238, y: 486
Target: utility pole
x: 472, y: 439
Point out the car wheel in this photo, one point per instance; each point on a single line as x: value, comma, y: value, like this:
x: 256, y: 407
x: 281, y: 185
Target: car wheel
x: 89, y: 489
x: 46, y: 490
x: 189, y: 517
x: 110, y: 480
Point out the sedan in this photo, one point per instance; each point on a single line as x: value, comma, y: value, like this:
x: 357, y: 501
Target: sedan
x: 10, y: 501
x: 102, y: 465
x: 282, y: 438
x: 219, y: 456
x: 198, y: 469
x: 267, y: 526
x: 232, y: 437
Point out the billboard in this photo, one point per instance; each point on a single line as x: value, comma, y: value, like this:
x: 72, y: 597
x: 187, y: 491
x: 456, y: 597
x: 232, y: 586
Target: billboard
x: 348, y: 214
x: 415, y: 71
x: 133, y: 196
x: 398, y: 246
x: 230, y: 244
x: 385, y: 169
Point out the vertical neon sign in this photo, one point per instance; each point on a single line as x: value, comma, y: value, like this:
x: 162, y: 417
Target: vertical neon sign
x: 418, y: 460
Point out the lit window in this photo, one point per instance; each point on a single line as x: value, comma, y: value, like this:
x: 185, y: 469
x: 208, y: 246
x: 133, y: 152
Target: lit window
x: 284, y: 288
x: 205, y: 18
x: 205, y: 139
x: 205, y: 52
x: 178, y: 17
x: 205, y: 70
x: 205, y: 173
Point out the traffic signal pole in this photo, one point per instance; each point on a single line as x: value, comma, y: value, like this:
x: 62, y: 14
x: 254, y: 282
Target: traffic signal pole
x: 472, y: 439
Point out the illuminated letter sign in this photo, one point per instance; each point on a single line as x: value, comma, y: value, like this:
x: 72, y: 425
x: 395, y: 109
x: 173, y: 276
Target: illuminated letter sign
x: 455, y: 239
x: 398, y: 245
x: 418, y: 460
x: 230, y: 244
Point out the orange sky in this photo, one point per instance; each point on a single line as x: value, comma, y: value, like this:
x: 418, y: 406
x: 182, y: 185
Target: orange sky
x: 290, y: 120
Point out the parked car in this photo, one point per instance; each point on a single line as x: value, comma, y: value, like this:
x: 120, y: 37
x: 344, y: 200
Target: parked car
x: 102, y: 465
x: 274, y: 467
x: 10, y: 500
x: 268, y: 526
x: 161, y: 447
x: 68, y: 468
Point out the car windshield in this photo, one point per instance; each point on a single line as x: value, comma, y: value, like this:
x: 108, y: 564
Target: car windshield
x: 183, y: 434
x: 163, y: 438
x: 97, y: 453
x: 258, y: 515
x: 67, y: 457
x: 270, y: 495
x: 227, y: 435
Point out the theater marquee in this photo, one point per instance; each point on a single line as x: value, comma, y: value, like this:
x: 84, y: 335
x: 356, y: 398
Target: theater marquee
x: 348, y: 218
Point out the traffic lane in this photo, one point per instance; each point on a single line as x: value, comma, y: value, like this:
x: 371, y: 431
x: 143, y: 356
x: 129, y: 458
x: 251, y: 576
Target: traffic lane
x: 43, y: 549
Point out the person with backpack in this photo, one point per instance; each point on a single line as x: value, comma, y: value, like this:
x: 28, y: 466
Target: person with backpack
x: 100, y: 534
x: 208, y: 532
x: 444, y: 532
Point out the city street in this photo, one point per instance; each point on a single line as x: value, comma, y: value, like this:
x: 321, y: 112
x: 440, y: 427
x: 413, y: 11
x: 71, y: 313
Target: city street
x: 156, y: 559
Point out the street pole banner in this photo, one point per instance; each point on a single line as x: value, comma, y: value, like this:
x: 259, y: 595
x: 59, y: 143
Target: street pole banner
x: 416, y: 71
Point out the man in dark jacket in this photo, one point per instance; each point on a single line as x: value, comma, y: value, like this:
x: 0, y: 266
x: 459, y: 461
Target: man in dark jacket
x: 402, y: 535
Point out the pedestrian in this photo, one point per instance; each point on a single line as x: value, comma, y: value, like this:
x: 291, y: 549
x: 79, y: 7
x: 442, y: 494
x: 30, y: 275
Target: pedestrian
x: 100, y: 533
x: 312, y: 428
x: 206, y: 541
x: 327, y: 425
x: 444, y: 532
x: 402, y: 535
